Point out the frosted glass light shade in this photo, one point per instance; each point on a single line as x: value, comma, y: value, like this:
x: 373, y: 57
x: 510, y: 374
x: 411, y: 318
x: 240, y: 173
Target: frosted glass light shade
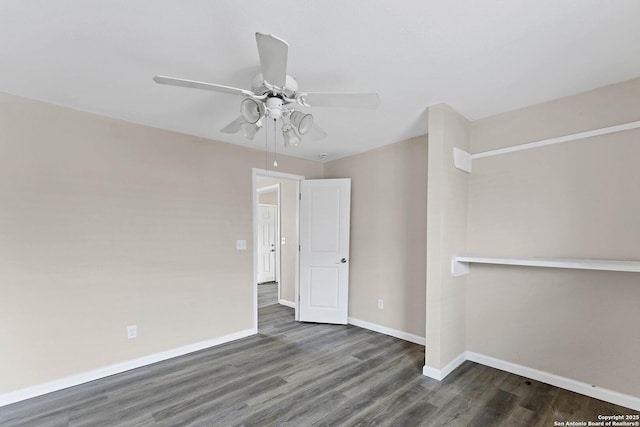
x: 251, y: 110
x: 290, y: 137
x: 249, y: 130
x: 302, y: 121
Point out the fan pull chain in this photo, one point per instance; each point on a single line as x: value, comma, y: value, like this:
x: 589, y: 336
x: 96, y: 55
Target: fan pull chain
x: 266, y: 146
x: 275, y: 146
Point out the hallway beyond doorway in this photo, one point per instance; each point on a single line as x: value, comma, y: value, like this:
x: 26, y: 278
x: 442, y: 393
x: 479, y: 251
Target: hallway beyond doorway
x: 267, y: 294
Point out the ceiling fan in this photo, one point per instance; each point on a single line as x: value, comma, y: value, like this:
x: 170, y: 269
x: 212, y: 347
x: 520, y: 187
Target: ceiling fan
x: 273, y: 95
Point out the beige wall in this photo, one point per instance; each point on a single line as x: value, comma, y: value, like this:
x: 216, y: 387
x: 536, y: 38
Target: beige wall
x: 578, y: 199
x: 388, y: 233
x: 269, y: 198
x: 447, y: 190
x: 105, y: 224
x: 288, y: 230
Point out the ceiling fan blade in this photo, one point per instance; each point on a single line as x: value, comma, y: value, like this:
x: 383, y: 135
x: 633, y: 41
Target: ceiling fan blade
x: 335, y: 99
x: 234, y: 126
x: 172, y: 81
x: 273, y: 59
x: 316, y: 133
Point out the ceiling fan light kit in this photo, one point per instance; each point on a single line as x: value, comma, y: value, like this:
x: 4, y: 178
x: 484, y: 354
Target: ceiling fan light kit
x: 290, y: 137
x: 251, y: 110
x: 249, y: 130
x: 274, y: 109
x: 272, y: 95
x: 303, y: 122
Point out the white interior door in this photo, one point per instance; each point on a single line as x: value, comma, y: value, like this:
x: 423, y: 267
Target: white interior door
x: 266, y: 243
x: 324, y: 250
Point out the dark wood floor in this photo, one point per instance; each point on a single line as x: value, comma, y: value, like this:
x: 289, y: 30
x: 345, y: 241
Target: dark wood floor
x: 307, y: 374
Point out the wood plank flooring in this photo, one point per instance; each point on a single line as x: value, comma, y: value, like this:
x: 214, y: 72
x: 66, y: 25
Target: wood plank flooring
x: 300, y: 374
x: 267, y: 294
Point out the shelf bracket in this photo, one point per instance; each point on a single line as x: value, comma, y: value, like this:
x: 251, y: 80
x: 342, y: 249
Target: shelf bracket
x: 459, y: 268
x: 462, y: 160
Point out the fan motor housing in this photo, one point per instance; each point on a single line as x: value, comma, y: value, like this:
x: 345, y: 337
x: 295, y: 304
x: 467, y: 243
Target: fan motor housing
x: 290, y: 87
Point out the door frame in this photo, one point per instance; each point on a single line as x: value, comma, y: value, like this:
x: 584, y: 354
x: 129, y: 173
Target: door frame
x: 255, y: 173
x: 269, y: 189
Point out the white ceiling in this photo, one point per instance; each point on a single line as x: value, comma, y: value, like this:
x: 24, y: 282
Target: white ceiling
x: 480, y: 57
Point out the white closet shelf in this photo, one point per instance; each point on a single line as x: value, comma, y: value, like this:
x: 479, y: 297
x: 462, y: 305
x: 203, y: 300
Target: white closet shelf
x: 460, y: 264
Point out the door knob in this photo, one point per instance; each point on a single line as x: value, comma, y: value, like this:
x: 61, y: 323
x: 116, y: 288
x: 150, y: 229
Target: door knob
x: 343, y: 260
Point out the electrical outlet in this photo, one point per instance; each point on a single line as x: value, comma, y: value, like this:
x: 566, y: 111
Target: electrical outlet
x: 132, y: 331
x: 380, y: 303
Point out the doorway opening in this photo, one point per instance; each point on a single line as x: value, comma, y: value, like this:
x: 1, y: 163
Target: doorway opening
x: 268, y: 232
x: 280, y: 192
x: 268, y: 240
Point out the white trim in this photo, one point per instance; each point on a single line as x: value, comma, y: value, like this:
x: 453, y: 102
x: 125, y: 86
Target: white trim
x: 387, y: 331
x: 460, y: 264
x: 462, y: 160
x: 268, y: 189
x: 551, y: 141
x: 590, y: 390
x: 621, y: 399
x: 296, y: 296
x: 278, y: 242
x: 95, y: 374
x: 459, y: 268
x: 275, y: 174
x: 440, y: 374
x: 287, y: 303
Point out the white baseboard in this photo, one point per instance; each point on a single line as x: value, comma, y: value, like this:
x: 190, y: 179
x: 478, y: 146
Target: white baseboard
x: 84, y: 377
x: 287, y: 303
x: 440, y: 374
x: 387, y: 331
x: 610, y: 396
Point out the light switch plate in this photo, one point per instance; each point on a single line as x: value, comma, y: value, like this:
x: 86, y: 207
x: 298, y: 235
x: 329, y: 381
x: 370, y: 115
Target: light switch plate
x: 241, y: 245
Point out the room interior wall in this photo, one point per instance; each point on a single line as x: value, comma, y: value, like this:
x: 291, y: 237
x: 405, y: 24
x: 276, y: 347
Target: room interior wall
x: 288, y: 231
x: 268, y: 198
x: 388, y: 234
x: 576, y: 199
x: 105, y: 224
x: 447, y: 190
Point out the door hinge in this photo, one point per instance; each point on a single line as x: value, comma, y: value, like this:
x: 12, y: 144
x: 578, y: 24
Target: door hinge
x: 299, y: 196
x: 299, y: 248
